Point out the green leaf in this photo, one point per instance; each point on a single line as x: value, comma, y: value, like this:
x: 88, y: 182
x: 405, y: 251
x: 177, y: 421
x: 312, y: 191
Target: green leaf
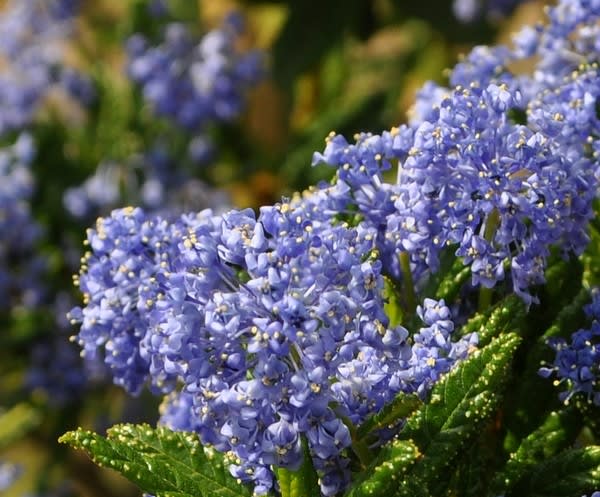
x: 503, y: 316
x: 301, y: 483
x: 16, y: 422
x: 160, y: 461
x: 569, y: 474
x: 556, y: 433
x: 472, y: 473
x: 401, y: 407
x: 383, y: 476
x: 450, y: 286
x: 569, y: 318
x: 449, y: 267
x: 460, y: 405
x: 533, y: 396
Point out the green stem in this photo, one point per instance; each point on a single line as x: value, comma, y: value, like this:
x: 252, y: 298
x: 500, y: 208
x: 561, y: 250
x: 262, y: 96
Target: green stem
x: 408, y: 284
x: 485, y: 294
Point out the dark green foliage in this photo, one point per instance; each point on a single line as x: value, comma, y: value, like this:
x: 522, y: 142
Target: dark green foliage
x: 159, y: 461
x: 569, y: 474
x: 438, y: 434
x: 399, y: 408
x: 556, y: 433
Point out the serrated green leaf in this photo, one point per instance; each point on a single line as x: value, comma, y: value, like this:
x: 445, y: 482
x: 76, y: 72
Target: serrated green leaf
x: 449, y: 267
x: 460, y: 405
x: 450, y: 286
x: 535, y: 396
x: 399, y: 408
x: 16, y: 422
x: 301, y: 483
x: 383, y: 476
x: 555, y: 434
x: 569, y: 474
x: 504, y: 316
x: 569, y: 318
x: 160, y: 461
x: 472, y: 470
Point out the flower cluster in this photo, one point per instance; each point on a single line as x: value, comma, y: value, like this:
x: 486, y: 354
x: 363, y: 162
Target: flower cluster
x: 19, y: 269
x: 577, y: 362
x: 502, y: 193
x: 119, y: 283
x: 500, y: 168
x: 267, y: 331
x: 31, y: 34
x: 153, y: 181
x: 263, y: 329
x: 195, y: 82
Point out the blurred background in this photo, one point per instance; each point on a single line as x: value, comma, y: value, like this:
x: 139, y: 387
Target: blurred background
x: 174, y: 106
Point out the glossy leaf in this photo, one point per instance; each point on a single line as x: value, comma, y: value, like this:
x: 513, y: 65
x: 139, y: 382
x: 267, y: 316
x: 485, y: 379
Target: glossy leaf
x: 572, y: 473
x: 161, y: 462
x: 460, y: 405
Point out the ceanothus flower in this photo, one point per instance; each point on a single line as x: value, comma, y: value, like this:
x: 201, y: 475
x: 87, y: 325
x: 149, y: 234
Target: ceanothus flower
x: 20, y: 268
x: 194, y: 81
x: 503, y: 193
x: 31, y: 36
x: 469, y: 177
x: 263, y: 330
x: 120, y: 282
x: 576, y: 365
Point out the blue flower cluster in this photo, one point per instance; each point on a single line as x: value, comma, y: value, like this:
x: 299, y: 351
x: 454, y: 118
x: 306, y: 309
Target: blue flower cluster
x: 31, y: 35
x: 263, y: 330
x: 195, y: 82
x: 576, y: 365
x: 266, y: 330
x: 153, y: 180
x: 500, y: 168
x: 19, y: 269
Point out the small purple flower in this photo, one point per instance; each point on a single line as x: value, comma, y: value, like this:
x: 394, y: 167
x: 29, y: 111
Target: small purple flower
x: 577, y: 362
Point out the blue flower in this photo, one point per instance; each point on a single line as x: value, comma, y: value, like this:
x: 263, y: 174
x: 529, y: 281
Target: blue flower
x: 577, y: 362
x: 258, y: 326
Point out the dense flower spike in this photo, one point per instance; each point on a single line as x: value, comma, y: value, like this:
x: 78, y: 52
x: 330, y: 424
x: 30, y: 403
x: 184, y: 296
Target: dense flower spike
x: 502, y: 192
x: 501, y: 167
x: 265, y: 322
x: 120, y: 283
x: 267, y: 331
x: 577, y: 363
x: 195, y: 82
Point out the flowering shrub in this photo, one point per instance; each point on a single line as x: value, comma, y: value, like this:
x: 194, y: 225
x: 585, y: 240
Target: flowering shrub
x: 391, y: 328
